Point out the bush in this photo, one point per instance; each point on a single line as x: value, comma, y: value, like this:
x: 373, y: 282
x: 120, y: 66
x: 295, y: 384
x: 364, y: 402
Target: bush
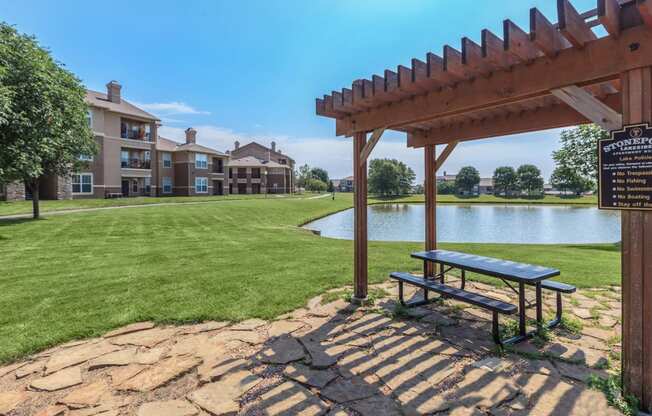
x: 446, y: 188
x: 315, y: 185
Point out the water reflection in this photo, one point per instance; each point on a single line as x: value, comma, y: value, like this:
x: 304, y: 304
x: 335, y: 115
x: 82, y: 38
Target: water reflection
x: 481, y: 224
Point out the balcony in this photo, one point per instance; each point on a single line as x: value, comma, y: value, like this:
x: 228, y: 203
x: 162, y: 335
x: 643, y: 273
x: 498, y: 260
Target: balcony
x: 135, y: 131
x: 136, y: 164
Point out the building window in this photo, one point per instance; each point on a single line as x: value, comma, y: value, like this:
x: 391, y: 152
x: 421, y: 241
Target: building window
x: 82, y: 183
x: 218, y: 166
x: 201, y: 185
x: 167, y: 160
x: 167, y: 185
x: 134, y: 186
x: 148, y: 185
x: 283, y: 161
x: 148, y: 132
x: 124, y: 158
x: 230, y: 173
x: 85, y: 158
x: 89, y: 118
x: 255, y: 173
x: 201, y: 161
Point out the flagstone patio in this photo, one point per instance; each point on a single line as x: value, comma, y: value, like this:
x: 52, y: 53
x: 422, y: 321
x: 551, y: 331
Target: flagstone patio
x: 330, y: 358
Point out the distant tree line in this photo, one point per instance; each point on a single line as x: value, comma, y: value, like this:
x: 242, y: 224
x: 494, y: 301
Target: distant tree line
x: 507, y: 181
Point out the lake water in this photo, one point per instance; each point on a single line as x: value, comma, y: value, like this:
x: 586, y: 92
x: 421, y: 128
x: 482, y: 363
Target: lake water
x: 481, y: 224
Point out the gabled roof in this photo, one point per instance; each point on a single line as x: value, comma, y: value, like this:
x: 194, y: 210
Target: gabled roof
x: 168, y: 145
x: 252, y: 144
x: 253, y: 162
x: 98, y: 99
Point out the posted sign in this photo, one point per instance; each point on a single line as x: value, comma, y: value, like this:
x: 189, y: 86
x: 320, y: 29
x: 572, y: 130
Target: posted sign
x: 625, y: 169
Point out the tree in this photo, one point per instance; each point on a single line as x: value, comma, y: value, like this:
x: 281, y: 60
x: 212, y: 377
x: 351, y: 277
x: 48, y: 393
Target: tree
x: 43, y: 125
x: 530, y: 180
x: 505, y: 181
x: 418, y: 189
x: 319, y: 173
x: 579, y: 151
x: 303, y: 175
x: 567, y: 179
x: 406, y: 177
x: 390, y: 177
x: 383, y: 177
x: 467, y: 179
x: 446, y: 188
x: 315, y: 185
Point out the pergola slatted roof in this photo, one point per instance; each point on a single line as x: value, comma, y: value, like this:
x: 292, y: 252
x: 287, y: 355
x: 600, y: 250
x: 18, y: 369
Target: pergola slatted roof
x: 462, y: 93
x: 557, y: 75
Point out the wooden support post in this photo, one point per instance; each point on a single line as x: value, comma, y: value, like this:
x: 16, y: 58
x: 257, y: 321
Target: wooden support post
x: 637, y: 259
x: 430, y: 190
x: 360, y: 218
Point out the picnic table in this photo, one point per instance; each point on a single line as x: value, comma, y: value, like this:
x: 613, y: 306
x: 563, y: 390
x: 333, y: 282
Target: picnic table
x: 511, y: 273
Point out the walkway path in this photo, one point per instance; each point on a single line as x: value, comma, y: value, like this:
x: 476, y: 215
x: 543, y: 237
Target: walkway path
x: 158, y: 204
x: 325, y: 359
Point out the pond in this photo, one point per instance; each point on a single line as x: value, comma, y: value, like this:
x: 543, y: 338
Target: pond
x: 481, y: 224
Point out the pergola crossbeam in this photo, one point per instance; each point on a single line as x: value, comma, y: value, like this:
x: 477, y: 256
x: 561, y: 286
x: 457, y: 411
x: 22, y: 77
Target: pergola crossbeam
x: 590, y: 107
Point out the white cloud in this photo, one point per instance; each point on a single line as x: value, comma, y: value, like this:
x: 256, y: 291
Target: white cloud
x: 174, y: 107
x: 335, y: 153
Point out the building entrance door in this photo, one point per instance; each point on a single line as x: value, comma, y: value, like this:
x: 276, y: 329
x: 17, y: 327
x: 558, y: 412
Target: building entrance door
x: 125, y: 188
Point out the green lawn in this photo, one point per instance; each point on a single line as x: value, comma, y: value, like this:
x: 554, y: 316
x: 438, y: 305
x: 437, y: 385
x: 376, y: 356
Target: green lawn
x: 78, y: 275
x: 25, y: 207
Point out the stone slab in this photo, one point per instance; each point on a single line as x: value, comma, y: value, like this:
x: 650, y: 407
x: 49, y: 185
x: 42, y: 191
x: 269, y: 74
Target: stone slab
x: 168, y: 408
x: 58, y: 381
x: 311, y: 377
x: 291, y: 399
x: 160, y: 374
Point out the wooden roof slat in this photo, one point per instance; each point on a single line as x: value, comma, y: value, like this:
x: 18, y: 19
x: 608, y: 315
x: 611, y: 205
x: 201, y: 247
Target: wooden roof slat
x: 436, y: 70
x: 453, y: 63
x: 518, y: 42
x: 645, y: 9
x: 358, y: 96
x: 391, y: 82
x: 545, y: 35
x: 406, y: 81
x: 472, y: 57
x: 420, y: 75
x: 347, y: 100
x: 609, y: 16
x: 338, y: 102
x: 493, y: 50
x: 572, y: 25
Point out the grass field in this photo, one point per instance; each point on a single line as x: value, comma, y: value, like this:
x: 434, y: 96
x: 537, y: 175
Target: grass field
x: 78, y: 275
x: 25, y: 207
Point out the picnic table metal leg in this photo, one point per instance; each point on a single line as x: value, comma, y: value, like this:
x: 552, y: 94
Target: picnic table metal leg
x: 521, y: 309
x: 400, y: 293
x: 463, y: 279
x: 539, y: 307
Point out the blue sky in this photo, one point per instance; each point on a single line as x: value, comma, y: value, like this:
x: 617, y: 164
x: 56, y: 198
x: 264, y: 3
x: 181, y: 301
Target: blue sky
x: 251, y: 69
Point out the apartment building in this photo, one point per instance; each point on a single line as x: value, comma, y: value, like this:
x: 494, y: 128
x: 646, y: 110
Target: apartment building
x: 126, y: 140
x: 190, y: 169
x: 257, y: 169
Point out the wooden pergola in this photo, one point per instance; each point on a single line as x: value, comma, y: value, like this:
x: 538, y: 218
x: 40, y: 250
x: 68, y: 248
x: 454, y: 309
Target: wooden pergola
x: 555, y: 75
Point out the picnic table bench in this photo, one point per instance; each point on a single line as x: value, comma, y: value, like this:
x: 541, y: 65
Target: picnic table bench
x: 508, y: 271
